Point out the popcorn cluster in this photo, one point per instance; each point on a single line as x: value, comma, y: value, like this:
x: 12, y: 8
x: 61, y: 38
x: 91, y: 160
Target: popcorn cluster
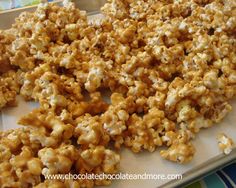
x: 168, y: 68
x: 225, y: 143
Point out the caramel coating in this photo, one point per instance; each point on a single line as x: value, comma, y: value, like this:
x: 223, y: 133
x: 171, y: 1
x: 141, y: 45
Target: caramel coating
x: 225, y: 143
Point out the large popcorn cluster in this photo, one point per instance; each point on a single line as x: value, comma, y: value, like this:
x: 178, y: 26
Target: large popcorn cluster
x: 168, y: 68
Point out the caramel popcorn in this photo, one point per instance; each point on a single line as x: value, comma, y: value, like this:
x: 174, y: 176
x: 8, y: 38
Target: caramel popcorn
x: 225, y: 143
x: 181, y: 153
x: 181, y: 150
x: 149, y: 74
x: 89, y: 131
x: 99, y: 156
x: 51, y: 130
x: 9, y: 88
x: 19, y: 164
x: 23, y: 161
x: 56, y: 161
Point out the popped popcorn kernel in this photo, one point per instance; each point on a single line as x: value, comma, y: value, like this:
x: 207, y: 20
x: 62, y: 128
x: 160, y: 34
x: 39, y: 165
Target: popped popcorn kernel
x: 225, y: 143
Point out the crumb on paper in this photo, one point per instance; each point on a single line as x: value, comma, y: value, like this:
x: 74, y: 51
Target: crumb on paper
x: 225, y: 143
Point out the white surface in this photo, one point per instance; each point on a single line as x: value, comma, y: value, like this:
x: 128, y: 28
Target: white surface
x: 205, y: 143
x: 11, y: 115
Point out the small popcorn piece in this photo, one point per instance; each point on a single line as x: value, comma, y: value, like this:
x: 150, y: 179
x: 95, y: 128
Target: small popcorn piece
x: 107, y: 159
x: 179, y: 152
x: 225, y: 143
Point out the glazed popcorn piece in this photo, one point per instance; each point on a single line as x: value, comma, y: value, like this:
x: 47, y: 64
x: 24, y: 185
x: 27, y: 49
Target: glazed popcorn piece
x: 27, y: 167
x: 19, y: 166
x: 89, y: 131
x: 181, y: 149
x: 47, y: 129
x: 93, y: 160
x: 23, y: 162
x: 100, y: 157
x: 9, y: 88
x: 145, y: 133
x: 114, y: 119
x: 6, y: 38
x: 225, y: 143
x: 50, y: 90
x: 58, y: 161
x: 28, y: 80
x: 59, y: 184
x: 180, y: 153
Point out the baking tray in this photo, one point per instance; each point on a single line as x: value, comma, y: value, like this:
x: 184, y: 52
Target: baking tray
x: 207, y: 157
